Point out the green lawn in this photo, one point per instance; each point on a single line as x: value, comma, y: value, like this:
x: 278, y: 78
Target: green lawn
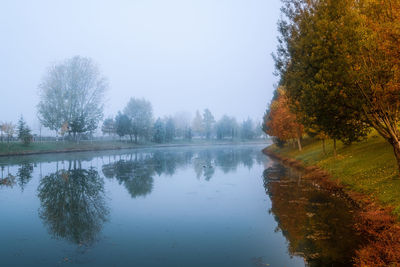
x: 368, y: 167
x: 18, y: 147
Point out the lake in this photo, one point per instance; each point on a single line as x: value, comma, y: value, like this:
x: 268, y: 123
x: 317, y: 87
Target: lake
x: 186, y: 206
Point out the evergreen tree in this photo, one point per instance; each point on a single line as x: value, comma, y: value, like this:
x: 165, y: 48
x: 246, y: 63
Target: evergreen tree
x: 159, y: 131
x: 24, y: 132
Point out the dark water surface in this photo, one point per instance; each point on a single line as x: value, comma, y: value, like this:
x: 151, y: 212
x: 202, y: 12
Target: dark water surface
x: 205, y: 206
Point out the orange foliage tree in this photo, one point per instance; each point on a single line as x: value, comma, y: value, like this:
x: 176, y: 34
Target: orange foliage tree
x: 378, y: 67
x: 282, y: 123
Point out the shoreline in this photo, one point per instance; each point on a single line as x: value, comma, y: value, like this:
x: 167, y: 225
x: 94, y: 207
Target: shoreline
x: 133, y: 146
x: 373, y: 221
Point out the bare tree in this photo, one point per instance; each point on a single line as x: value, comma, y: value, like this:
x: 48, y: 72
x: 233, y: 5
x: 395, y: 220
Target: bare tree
x: 72, y: 93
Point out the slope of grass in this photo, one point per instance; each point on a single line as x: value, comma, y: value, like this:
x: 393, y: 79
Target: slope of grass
x: 368, y: 167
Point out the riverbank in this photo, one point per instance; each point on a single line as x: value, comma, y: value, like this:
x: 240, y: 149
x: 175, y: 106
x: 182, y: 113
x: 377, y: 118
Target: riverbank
x: 368, y: 167
x: 366, y: 175
x: 376, y: 223
x: 18, y: 149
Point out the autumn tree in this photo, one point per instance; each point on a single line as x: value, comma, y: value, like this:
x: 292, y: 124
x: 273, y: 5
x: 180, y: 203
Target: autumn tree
x: 281, y: 122
x: 314, y: 61
x: 378, y: 68
x: 9, y: 129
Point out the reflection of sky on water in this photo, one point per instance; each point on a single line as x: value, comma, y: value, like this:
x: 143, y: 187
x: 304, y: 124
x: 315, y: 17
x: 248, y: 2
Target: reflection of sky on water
x: 151, y: 207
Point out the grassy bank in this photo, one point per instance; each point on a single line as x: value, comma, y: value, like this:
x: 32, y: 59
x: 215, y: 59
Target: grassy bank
x: 17, y: 148
x: 368, y: 167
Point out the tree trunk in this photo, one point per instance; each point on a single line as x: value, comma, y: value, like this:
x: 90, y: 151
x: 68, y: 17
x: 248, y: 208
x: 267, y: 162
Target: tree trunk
x: 323, y: 146
x: 299, y: 144
x: 334, y: 148
x: 396, y: 149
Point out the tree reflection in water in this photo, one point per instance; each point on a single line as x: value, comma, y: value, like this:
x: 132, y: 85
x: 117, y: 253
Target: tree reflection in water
x: 136, y: 171
x: 318, y: 226
x: 73, y: 203
x: 24, y: 174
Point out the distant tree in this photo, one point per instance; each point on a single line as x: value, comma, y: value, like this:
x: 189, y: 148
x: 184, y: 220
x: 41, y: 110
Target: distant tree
x: 108, y: 126
x: 226, y: 126
x: 181, y: 122
x: 8, y: 129
x: 72, y: 92
x: 24, y: 132
x: 1, y: 131
x: 159, y: 131
x: 197, y: 124
x: 64, y: 130
x: 123, y: 125
x: 169, y: 130
x: 140, y: 112
x: 208, y: 122
x: 247, y: 130
x: 188, y: 133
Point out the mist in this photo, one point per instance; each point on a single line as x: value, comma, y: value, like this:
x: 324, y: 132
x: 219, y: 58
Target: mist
x: 182, y: 56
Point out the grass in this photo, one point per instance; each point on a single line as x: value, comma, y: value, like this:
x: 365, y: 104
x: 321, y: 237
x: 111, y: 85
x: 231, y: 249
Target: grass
x: 367, y: 167
x: 17, y: 148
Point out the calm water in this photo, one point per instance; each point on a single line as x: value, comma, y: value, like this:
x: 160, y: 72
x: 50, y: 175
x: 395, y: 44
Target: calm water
x: 208, y: 206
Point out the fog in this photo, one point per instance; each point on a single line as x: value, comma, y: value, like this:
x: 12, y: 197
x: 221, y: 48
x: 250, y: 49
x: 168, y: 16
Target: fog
x: 179, y: 55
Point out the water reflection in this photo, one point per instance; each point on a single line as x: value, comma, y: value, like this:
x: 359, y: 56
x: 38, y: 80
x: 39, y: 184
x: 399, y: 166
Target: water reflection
x: 318, y: 226
x: 136, y: 170
x: 72, y: 198
x: 72, y: 203
x: 24, y: 174
x: 7, y: 178
x: 135, y: 173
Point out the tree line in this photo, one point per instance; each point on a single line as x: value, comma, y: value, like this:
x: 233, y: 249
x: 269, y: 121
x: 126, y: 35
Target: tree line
x: 137, y: 123
x: 339, y: 67
x: 72, y: 106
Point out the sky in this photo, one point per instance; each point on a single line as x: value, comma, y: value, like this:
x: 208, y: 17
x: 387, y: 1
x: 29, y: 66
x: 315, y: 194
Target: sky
x: 181, y: 55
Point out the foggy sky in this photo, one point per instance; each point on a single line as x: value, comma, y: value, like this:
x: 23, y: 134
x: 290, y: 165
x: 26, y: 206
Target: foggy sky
x: 182, y: 55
